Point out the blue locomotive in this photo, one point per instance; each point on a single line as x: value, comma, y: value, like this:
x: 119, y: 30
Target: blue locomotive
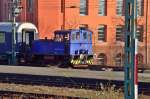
x: 68, y: 47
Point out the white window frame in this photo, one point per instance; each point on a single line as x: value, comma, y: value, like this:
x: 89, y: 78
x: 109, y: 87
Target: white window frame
x: 119, y: 33
x: 83, y: 7
x: 102, y: 7
x: 119, y: 7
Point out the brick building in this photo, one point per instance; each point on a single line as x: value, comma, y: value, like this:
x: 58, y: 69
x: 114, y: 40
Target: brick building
x: 104, y: 17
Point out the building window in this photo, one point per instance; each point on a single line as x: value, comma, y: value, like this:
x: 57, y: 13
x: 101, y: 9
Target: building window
x: 139, y: 33
x: 118, y: 60
x: 140, y: 59
x: 102, y: 7
x: 83, y: 26
x: 30, y: 5
x: 102, y: 59
x: 2, y: 37
x: 120, y: 7
x: 119, y: 33
x: 140, y: 7
x: 83, y: 7
x: 102, y: 33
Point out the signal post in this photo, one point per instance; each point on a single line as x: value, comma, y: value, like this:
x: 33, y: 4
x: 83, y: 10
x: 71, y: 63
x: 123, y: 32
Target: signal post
x: 131, y: 69
x: 16, y: 10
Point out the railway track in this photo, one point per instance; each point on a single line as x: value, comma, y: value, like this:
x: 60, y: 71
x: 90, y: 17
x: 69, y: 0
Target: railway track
x: 21, y: 95
x: 70, y: 82
x: 71, y: 78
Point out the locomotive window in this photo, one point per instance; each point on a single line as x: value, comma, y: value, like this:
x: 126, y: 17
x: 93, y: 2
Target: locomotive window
x: 73, y: 36
x: 56, y: 37
x: 61, y: 37
x: 78, y: 36
x: 2, y: 37
x: 89, y: 36
x: 84, y: 35
x: 66, y: 37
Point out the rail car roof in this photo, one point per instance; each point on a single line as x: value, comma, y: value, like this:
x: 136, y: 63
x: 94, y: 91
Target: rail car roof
x: 7, y: 27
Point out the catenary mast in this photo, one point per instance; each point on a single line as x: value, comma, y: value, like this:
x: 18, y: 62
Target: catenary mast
x: 131, y: 75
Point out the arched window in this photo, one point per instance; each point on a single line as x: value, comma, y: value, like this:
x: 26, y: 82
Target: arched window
x: 118, y: 60
x: 102, y: 59
x: 139, y: 59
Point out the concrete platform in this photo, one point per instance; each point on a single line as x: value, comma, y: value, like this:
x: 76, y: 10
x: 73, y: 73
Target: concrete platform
x: 77, y: 73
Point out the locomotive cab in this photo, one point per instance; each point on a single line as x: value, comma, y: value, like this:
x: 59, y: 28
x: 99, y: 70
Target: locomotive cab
x: 78, y: 45
x: 81, y: 47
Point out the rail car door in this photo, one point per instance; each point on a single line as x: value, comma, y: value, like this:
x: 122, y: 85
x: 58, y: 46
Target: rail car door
x: 28, y: 37
x: 26, y: 43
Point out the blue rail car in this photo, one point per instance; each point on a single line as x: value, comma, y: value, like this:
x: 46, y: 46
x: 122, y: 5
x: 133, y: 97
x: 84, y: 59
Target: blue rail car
x: 25, y: 34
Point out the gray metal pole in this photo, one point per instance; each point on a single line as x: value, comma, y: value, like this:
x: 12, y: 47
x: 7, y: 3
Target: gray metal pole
x: 16, y: 9
x: 14, y: 41
x: 13, y: 60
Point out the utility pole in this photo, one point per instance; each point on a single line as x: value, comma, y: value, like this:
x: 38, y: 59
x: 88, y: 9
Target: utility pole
x: 131, y: 74
x: 16, y: 10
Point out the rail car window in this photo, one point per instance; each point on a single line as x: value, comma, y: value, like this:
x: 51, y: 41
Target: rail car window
x: 78, y: 36
x: 84, y: 35
x: 26, y: 38
x: 2, y: 37
x: 36, y: 36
